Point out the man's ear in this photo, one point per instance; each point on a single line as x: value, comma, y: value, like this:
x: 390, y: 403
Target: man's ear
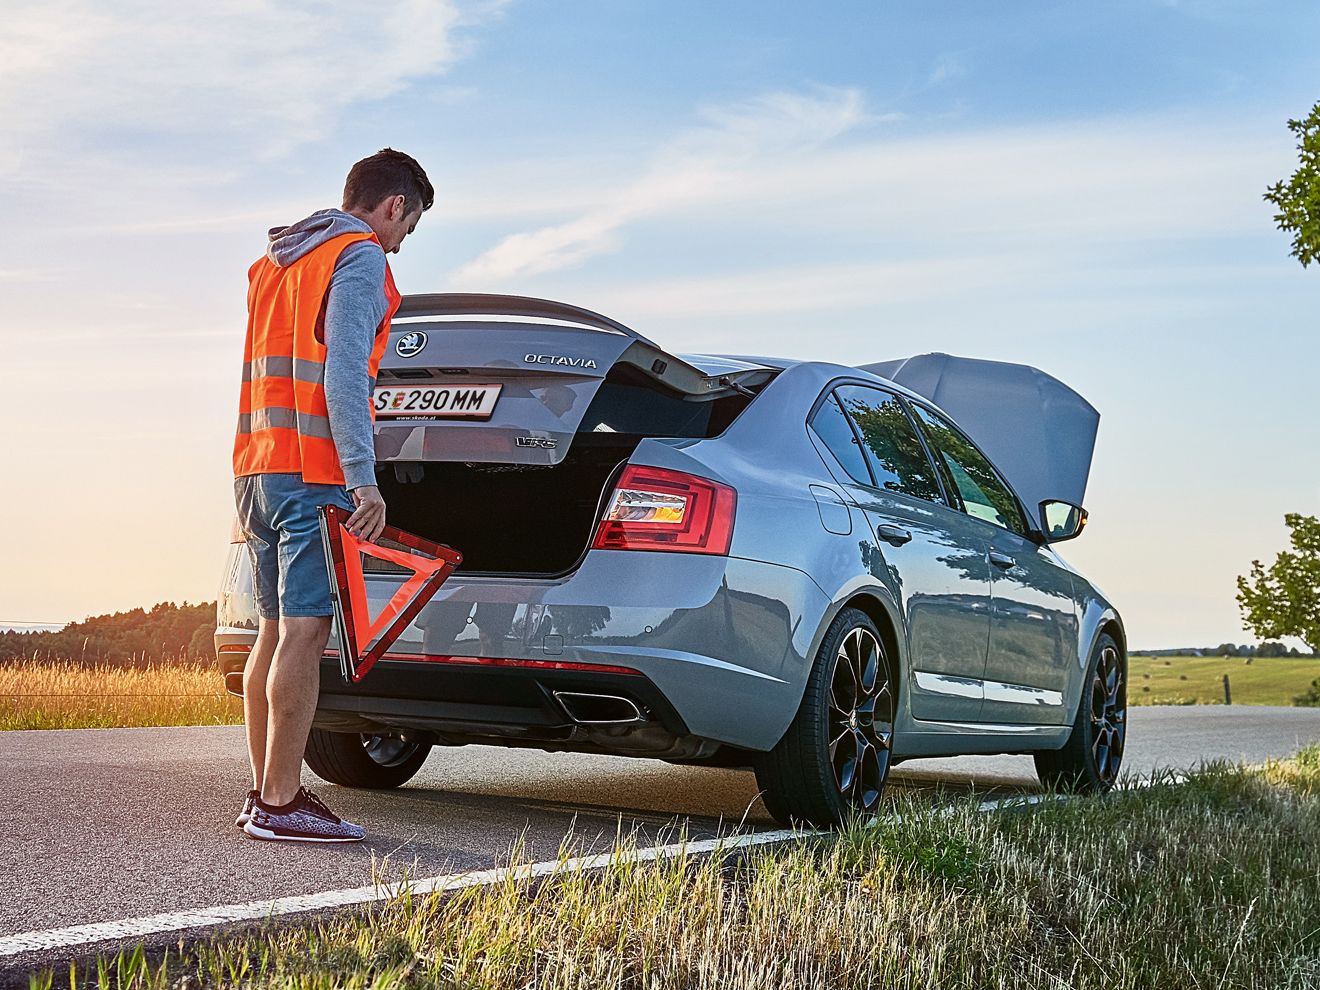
x: 397, y: 207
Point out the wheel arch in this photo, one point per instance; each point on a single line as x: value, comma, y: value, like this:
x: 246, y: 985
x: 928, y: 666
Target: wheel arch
x: 879, y: 614
x: 876, y: 602
x: 1098, y: 618
x: 1115, y: 629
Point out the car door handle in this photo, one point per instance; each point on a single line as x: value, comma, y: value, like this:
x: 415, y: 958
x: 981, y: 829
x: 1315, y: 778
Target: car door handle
x: 1001, y: 560
x: 896, y: 535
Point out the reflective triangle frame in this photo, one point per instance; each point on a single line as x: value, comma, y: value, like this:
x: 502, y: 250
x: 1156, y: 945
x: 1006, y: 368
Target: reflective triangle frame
x: 363, y: 640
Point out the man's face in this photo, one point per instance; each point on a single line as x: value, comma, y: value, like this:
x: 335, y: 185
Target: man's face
x: 391, y: 221
x: 395, y: 224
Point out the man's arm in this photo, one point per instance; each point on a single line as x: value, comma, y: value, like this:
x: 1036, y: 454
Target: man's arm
x: 354, y: 309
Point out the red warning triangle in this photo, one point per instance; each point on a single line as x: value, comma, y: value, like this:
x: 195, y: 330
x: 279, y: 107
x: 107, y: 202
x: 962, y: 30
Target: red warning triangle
x: 362, y: 639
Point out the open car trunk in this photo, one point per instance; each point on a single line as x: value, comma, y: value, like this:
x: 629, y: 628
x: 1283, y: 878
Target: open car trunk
x: 508, y: 519
x: 520, y: 489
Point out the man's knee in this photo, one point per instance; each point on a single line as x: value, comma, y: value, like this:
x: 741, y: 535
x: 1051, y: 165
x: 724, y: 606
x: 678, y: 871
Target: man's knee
x: 304, y: 631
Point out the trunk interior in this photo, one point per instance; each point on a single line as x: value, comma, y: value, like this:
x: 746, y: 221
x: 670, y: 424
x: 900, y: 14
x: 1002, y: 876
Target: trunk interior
x: 507, y: 518
x: 532, y: 519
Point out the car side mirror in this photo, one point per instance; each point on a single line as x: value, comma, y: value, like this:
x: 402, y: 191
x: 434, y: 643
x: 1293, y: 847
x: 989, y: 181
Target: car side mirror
x: 1060, y: 520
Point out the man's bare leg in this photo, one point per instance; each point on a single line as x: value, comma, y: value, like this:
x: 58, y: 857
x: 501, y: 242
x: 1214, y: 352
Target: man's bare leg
x: 291, y: 691
x: 255, y: 708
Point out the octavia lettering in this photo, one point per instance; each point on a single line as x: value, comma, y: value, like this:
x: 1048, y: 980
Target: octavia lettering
x: 573, y: 362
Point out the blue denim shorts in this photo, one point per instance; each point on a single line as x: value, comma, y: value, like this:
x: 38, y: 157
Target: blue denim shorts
x: 277, y: 513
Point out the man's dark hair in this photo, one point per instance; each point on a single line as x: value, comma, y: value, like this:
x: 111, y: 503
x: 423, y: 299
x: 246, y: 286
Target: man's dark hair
x: 387, y: 173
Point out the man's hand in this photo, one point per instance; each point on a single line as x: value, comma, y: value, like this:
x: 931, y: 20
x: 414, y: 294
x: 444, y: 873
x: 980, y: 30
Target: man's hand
x: 368, y: 519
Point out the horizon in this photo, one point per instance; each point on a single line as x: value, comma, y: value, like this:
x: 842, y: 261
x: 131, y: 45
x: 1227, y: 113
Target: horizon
x: 1076, y: 189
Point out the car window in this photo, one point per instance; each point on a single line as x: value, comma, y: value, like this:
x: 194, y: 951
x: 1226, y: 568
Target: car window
x: 831, y: 425
x: 895, y: 453
x: 984, y: 494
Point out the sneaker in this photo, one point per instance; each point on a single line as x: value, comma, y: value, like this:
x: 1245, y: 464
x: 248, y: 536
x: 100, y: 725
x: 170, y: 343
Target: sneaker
x: 304, y: 819
x: 246, y: 813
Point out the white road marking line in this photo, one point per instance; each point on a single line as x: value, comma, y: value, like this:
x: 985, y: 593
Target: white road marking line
x: 157, y: 924
x: 61, y: 938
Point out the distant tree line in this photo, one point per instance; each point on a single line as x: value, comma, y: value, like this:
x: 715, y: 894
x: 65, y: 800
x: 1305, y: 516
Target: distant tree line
x: 166, y: 632
x: 1266, y: 649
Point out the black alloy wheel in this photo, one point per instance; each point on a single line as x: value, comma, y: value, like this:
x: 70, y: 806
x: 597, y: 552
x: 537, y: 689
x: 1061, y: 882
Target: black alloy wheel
x: 1108, y: 715
x: 861, y: 720
x: 833, y: 761
x: 372, y: 761
x: 1092, y: 757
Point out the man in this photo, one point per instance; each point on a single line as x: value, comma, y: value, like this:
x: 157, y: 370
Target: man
x: 319, y: 308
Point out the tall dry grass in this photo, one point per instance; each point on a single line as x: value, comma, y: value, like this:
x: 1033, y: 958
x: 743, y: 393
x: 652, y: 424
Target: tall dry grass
x: 65, y: 694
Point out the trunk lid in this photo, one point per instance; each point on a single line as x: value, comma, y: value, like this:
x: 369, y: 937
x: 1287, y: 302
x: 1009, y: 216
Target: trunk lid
x: 548, y: 360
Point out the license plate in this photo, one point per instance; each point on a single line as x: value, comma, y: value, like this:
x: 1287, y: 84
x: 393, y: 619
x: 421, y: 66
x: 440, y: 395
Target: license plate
x: 435, y: 401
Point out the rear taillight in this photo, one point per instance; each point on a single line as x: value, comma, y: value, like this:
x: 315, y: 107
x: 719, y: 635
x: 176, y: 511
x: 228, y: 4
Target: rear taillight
x: 236, y: 532
x: 658, y: 509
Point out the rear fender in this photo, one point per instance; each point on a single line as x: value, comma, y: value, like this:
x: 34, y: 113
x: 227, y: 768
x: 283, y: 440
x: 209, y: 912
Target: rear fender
x: 878, y: 602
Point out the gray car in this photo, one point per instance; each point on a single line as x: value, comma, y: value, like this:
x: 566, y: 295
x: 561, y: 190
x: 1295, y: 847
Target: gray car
x: 794, y: 566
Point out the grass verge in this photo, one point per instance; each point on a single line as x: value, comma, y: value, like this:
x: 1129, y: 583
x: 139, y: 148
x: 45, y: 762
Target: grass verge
x: 1200, y: 680
x: 38, y: 694
x: 1207, y: 883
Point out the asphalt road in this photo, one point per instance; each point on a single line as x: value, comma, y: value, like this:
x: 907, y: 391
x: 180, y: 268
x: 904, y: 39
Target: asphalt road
x: 105, y: 824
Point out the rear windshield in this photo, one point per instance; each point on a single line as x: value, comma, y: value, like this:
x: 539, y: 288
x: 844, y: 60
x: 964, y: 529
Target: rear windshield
x: 627, y: 402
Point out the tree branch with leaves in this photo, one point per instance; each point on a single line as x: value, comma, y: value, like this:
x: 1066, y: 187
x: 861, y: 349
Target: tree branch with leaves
x: 1298, y: 199
x: 1284, y: 599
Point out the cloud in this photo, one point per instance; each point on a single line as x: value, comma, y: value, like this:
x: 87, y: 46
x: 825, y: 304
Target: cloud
x: 769, y: 176
x: 695, y: 166
x: 27, y: 274
x: 947, y: 68
x: 261, y: 72
x: 801, y: 288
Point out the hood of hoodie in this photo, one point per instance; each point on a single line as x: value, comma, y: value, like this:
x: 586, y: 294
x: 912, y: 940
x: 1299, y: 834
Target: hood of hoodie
x: 288, y: 244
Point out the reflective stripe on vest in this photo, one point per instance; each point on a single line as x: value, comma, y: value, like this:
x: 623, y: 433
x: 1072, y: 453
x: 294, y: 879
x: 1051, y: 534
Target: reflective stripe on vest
x: 283, y: 422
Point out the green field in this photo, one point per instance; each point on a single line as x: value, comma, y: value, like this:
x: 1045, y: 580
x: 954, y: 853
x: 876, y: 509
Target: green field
x: 1200, y: 680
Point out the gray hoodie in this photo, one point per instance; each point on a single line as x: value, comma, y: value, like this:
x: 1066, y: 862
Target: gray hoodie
x: 353, y: 310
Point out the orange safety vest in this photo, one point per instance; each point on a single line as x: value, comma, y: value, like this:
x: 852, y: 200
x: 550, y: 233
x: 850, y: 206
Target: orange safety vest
x: 283, y: 423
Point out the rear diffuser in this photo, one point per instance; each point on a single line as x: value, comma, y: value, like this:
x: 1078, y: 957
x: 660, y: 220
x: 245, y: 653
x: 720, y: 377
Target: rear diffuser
x: 362, y: 639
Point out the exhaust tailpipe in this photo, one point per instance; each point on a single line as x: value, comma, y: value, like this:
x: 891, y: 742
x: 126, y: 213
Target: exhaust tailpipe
x: 600, y: 709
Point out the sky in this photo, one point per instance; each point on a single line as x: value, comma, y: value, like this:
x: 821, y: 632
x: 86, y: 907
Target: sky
x: 1072, y: 186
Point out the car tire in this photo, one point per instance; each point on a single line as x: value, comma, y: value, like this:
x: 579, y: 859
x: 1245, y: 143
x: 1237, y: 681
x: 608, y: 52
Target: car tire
x: 374, y: 762
x: 833, y: 761
x: 1090, y: 760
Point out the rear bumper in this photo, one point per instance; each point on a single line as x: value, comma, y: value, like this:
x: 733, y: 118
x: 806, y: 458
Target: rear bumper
x: 720, y: 646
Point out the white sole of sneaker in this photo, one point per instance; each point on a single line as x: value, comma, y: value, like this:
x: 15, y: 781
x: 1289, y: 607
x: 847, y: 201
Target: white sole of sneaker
x: 257, y: 832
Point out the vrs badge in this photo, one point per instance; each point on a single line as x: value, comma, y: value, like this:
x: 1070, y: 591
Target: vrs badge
x: 550, y: 442
x: 411, y: 343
